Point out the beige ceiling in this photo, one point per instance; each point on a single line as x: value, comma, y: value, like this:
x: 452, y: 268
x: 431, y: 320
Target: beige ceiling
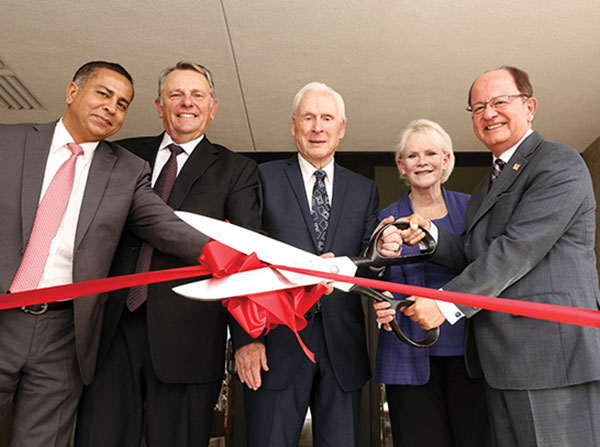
x: 392, y: 60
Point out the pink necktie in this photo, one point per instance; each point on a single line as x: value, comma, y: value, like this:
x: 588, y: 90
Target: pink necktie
x: 163, y: 186
x: 45, y: 226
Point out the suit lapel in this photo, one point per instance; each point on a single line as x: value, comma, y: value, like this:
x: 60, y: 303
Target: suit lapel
x: 340, y: 185
x: 511, y: 172
x: 35, y: 155
x: 98, y: 176
x: 204, y: 155
x: 292, y: 171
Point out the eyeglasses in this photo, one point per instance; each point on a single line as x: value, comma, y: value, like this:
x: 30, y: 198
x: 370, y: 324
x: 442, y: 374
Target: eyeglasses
x: 495, y: 103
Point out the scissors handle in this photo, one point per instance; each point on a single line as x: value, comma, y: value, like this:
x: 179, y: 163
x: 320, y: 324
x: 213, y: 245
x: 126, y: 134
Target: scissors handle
x: 373, y: 258
x: 430, y: 338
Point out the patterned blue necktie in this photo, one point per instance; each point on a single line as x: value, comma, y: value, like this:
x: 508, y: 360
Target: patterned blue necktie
x: 320, y: 210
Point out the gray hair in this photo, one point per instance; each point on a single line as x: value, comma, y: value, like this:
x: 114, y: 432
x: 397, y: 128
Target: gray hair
x: 435, y: 133
x: 319, y: 87
x: 183, y: 65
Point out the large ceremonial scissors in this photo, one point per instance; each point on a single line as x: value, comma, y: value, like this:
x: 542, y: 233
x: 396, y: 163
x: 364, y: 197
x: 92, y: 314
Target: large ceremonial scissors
x: 275, y: 252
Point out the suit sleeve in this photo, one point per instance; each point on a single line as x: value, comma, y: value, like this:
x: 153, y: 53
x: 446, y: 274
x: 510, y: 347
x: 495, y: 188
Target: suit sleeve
x: 154, y: 221
x: 556, y: 202
x: 372, y: 220
x: 242, y: 202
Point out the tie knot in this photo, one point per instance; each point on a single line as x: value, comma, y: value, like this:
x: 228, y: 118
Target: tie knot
x: 499, y: 164
x: 75, y: 149
x: 319, y: 174
x: 175, y: 149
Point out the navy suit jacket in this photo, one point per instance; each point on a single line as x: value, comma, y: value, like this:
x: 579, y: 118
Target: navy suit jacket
x: 286, y: 216
x: 187, y: 337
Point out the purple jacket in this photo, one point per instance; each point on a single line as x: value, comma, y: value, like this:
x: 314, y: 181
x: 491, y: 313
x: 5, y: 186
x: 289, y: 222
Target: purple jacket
x: 398, y: 363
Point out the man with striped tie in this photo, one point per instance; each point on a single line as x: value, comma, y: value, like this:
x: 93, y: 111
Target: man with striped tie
x: 162, y: 355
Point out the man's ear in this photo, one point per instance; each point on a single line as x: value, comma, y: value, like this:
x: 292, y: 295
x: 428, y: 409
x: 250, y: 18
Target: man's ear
x: 158, y: 108
x: 72, y: 90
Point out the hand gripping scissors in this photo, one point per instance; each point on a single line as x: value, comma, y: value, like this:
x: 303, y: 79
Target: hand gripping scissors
x: 272, y: 251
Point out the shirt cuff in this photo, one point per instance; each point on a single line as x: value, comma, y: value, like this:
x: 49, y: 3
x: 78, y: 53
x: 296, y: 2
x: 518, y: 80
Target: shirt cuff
x: 450, y: 311
x: 434, y: 232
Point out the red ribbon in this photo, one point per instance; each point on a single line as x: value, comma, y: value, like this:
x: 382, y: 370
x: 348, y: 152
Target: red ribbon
x: 262, y: 312
x: 255, y: 313
x: 542, y: 311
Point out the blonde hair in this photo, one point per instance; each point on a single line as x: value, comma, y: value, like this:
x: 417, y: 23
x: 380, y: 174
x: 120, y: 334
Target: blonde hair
x: 435, y: 133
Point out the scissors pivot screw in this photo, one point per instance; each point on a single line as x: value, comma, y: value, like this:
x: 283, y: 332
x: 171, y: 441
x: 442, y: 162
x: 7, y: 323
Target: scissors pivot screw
x: 334, y: 269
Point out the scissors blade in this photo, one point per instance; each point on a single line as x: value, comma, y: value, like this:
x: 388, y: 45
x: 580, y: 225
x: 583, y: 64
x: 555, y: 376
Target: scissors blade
x: 267, y: 250
x: 244, y: 283
x: 262, y: 280
x: 244, y: 240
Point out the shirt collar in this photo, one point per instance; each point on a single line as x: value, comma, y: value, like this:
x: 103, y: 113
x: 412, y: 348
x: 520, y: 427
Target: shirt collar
x: 308, y: 170
x: 62, y: 136
x: 508, y: 153
x: 188, y: 147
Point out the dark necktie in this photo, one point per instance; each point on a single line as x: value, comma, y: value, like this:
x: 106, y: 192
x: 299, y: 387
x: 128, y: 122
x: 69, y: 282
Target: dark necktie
x: 45, y: 226
x: 163, y: 186
x: 320, y: 209
x: 496, y: 170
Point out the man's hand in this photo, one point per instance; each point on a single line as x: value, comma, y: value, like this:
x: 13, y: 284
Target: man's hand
x: 326, y: 282
x: 390, y: 242
x: 249, y: 360
x: 385, y: 314
x: 425, y: 312
x: 414, y: 234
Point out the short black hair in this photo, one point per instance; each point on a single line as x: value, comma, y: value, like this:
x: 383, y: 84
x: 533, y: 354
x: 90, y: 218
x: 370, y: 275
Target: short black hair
x: 84, y: 72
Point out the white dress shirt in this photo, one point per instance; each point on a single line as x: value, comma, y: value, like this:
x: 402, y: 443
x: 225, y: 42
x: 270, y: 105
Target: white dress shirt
x: 164, y: 153
x: 308, y: 176
x: 59, y: 265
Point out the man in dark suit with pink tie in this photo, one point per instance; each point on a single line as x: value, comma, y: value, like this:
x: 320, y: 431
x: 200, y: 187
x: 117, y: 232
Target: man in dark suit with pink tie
x: 49, y: 351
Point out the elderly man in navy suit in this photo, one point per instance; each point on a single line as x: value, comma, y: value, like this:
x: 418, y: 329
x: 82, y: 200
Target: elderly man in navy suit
x: 529, y: 236
x: 315, y: 204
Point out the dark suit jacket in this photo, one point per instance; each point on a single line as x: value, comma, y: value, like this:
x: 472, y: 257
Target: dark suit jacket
x: 187, y: 337
x: 117, y: 193
x: 286, y: 216
x: 531, y: 237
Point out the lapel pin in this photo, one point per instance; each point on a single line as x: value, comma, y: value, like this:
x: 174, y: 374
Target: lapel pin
x: 516, y: 166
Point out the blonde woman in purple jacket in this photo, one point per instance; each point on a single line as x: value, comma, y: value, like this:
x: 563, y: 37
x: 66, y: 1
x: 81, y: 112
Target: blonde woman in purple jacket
x: 432, y: 400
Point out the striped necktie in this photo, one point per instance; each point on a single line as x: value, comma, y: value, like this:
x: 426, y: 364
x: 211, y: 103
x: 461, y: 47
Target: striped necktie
x: 164, y: 184
x: 496, y: 170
